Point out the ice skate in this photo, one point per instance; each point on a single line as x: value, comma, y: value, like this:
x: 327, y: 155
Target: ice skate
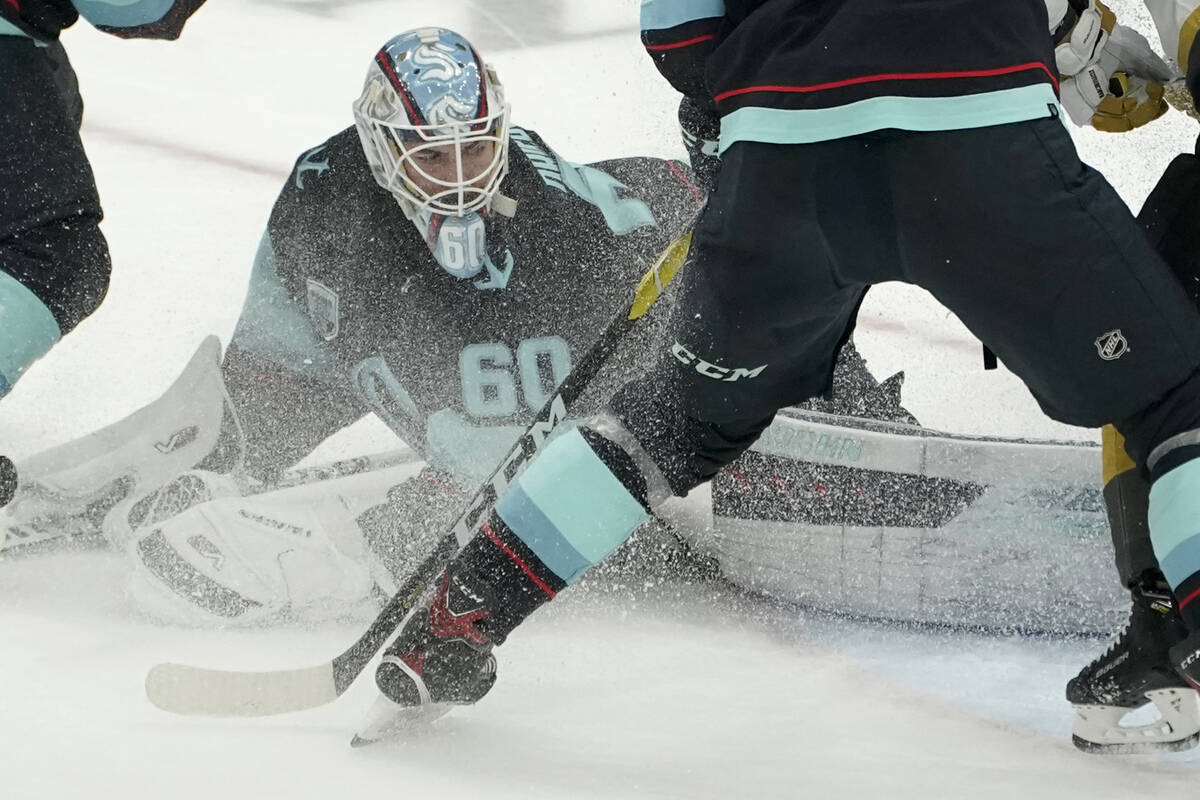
x: 439, y: 660
x: 1133, y: 674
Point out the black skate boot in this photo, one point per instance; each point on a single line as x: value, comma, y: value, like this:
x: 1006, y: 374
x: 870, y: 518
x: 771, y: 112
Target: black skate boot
x: 440, y: 659
x: 1135, y: 672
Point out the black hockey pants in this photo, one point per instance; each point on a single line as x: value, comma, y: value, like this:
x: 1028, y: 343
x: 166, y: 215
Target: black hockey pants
x: 50, y: 239
x: 1033, y: 250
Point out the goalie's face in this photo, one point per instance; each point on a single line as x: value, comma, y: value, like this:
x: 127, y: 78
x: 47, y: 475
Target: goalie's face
x: 436, y: 168
x: 434, y: 124
x: 451, y: 177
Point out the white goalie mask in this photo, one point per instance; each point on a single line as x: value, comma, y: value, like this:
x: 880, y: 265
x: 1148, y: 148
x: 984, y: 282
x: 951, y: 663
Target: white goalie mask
x: 434, y: 124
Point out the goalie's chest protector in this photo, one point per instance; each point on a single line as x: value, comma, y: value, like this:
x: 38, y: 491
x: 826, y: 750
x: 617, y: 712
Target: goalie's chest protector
x: 418, y: 343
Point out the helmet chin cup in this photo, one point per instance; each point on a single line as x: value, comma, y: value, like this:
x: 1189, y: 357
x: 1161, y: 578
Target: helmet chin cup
x: 458, y: 243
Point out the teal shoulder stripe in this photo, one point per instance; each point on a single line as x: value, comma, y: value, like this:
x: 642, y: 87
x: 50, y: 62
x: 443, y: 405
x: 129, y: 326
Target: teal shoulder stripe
x: 591, y: 184
x: 27, y: 329
x: 622, y: 214
x: 274, y: 327
x: 123, y: 13
x: 804, y: 126
x: 661, y: 14
x: 579, y: 498
x: 1174, y: 518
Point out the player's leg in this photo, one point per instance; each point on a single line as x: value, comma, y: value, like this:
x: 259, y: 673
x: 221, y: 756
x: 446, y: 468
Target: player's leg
x: 1041, y: 259
x: 1118, y: 680
x: 1126, y: 498
x: 1108, y: 333
x: 1169, y: 217
x: 760, y: 317
x: 54, y: 263
x: 1136, y: 668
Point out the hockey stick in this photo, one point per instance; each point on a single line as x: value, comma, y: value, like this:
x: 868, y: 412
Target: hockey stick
x: 183, y: 689
x: 298, y: 476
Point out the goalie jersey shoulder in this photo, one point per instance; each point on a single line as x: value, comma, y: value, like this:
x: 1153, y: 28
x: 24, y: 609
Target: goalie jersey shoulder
x: 332, y: 222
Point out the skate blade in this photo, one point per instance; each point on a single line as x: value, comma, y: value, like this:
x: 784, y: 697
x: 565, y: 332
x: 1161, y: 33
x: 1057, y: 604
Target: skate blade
x: 1098, y: 729
x: 388, y: 720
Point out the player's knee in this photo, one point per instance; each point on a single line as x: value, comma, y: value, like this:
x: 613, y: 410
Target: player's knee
x: 63, y: 262
x: 51, y: 277
x: 90, y: 268
x: 625, y: 457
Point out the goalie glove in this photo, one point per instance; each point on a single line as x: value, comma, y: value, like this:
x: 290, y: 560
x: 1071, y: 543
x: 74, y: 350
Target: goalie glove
x: 295, y: 554
x: 1111, y: 78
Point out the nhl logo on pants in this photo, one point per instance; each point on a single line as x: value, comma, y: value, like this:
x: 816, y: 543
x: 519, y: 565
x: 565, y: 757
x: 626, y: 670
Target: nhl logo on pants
x: 1112, y: 345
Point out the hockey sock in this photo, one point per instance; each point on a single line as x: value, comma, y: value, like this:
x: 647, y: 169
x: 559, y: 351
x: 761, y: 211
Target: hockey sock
x: 570, y: 508
x: 565, y: 514
x: 1126, y: 498
x: 30, y: 330
x: 508, y: 579
x: 1175, y: 526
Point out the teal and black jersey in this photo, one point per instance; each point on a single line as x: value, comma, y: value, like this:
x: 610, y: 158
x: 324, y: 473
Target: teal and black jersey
x: 348, y: 312
x: 796, y: 71
x: 140, y: 19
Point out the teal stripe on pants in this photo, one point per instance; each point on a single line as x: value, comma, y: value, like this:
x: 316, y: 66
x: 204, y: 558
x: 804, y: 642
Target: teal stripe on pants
x: 662, y: 14
x: 805, y: 126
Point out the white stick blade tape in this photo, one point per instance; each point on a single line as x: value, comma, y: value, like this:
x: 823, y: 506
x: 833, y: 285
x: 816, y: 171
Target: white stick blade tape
x: 181, y: 689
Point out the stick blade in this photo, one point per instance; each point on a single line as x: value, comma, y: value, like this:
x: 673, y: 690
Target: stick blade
x: 181, y: 689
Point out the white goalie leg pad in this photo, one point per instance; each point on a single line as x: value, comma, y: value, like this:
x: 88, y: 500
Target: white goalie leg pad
x: 1100, y: 729
x: 68, y: 489
x: 295, y: 554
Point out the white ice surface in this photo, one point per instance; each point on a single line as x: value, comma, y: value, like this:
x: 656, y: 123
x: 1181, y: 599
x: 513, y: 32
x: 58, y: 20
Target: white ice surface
x: 660, y: 691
